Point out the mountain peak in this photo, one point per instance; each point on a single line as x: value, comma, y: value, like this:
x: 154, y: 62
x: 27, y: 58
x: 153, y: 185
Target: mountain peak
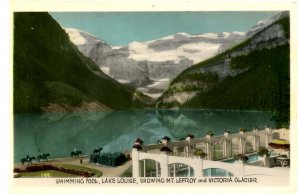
x: 181, y: 34
x: 262, y: 24
x: 80, y: 37
x: 156, y: 61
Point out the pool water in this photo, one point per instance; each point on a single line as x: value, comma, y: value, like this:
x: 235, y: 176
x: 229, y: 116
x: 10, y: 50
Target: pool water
x: 251, y: 158
x: 216, y: 172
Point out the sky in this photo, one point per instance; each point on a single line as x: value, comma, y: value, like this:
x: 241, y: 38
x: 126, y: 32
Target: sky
x: 121, y: 28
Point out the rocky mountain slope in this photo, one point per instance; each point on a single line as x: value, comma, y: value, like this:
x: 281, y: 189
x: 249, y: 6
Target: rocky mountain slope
x: 149, y: 66
x: 253, y: 75
x: 50, y: 74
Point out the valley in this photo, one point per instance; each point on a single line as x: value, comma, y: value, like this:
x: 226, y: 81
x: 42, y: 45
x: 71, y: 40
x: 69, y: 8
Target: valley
x: 81, y: 72
x: 150, y: 66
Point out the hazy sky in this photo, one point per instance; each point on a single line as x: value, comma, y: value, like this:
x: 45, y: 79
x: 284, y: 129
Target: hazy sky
x: 120, y: 28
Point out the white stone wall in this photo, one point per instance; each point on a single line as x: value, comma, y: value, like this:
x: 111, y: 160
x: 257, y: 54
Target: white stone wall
x: 199, y: 165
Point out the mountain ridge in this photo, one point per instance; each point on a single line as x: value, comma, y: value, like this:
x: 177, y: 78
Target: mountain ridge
x: 221, y: 82
x: 49, y: 71
x: 148, y: 66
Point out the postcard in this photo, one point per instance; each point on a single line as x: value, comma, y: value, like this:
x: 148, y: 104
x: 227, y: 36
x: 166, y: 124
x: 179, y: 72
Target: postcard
x: 191, y: 97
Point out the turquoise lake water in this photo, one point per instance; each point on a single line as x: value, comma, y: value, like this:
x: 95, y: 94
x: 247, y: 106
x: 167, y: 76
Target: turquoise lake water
x: 59, y: 133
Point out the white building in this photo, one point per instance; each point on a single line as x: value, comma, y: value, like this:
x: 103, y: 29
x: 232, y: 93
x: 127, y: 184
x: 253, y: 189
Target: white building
x: 177, y: 158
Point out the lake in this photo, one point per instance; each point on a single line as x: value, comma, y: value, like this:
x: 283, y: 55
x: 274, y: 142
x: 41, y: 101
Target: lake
x: 59, y: 133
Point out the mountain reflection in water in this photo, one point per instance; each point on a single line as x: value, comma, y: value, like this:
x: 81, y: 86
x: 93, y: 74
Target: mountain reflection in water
x: 59, y: 133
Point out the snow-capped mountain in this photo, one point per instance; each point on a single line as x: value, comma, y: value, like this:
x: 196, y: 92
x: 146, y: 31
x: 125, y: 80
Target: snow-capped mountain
x: 150, y: 65
x: 182, y: 46
x: 261, y: 25
x: 88, y: 44
x: 223, y: 80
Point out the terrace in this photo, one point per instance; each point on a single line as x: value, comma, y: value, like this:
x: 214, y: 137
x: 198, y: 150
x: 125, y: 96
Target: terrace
x: 201, y: 156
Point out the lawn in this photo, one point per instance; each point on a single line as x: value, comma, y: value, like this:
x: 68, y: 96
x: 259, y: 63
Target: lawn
x: 55, y: 173
x: 45, y: 174
x: 97, y: 173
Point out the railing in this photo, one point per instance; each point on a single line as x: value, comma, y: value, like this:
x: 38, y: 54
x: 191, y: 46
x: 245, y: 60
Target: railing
x: 217, y: 147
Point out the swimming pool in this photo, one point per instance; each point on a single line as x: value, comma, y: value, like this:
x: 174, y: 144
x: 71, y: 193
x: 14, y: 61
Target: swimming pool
x: 217, y: 172
x: 254, y: 157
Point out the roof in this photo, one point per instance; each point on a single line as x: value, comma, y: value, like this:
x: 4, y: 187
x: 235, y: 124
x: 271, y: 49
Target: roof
x: 280, y: 144
x: 280, y: 141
